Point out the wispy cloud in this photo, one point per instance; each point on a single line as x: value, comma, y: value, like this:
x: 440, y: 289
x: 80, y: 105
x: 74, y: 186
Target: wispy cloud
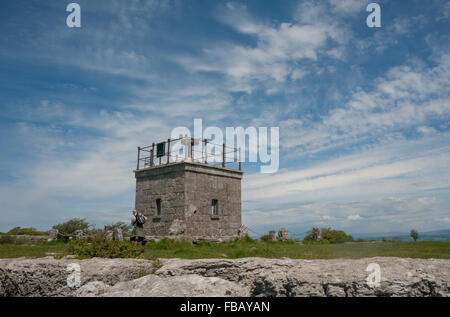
x: 277, y: 48
x: 363, y: 117
x: 407, y: 97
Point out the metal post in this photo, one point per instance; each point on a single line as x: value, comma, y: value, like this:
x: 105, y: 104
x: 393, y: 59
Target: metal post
x: 168, y: 151
x: 152, y: 154
x: 206, y: 151
x: 139, y: 157
x: 223, y: 155
x: 240, y: 165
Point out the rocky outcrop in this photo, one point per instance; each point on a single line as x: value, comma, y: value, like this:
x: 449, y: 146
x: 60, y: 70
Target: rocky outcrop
x: 49, y: 277
x: 156, y: 286
x: 338, y: 277
x: 379, y: 276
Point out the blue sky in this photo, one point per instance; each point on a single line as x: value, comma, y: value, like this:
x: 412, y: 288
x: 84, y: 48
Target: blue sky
x: 363, y: 112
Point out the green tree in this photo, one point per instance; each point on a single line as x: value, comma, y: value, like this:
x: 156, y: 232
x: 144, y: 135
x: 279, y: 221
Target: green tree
x: 68, y: 228
x: 327, y: 235
x: 414, y: 234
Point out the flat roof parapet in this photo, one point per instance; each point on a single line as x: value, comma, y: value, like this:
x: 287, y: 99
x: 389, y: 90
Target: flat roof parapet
x: 196, y: 167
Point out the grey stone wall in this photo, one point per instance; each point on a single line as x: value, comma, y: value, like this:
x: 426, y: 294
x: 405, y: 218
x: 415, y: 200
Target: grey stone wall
x: 186, y: 191
x: 27, y: 238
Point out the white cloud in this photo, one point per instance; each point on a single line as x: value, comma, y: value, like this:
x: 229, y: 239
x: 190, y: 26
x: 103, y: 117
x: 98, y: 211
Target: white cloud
x: 347, y: 7
x: 394, y: 182
x: 407, y: 96
x: 398, y: 167
x: 354, y: 217
x: 277, y: 48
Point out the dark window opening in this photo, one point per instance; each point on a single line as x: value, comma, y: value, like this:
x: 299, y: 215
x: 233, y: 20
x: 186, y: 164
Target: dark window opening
x: 161, y: 149
x: 158, y: 207
x: 214, y: 207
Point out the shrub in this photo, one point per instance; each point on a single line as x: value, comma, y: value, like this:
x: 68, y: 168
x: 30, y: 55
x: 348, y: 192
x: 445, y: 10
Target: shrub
x: 25, y: 231
x: 7, y: 240
x: 329, y: 235
x: 336, y: 236
x: 265, y: 237
x: 68, y: 228
x: 100, y: 247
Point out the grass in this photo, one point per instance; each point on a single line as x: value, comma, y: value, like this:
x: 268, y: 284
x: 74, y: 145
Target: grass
x: 249, y: 248
x: 295, y: 250
x: 37, y: 250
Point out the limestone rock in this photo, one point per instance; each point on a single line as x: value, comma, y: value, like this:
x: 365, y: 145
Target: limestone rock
x: 316, y: 234
x: 272, y: 236
x: 166, y: 286
x: 283, y: 234
x: 109, y: 235
x: 48, y: 276
x: 337, y: 277
x: 53, y: 235
x: 117, y: 234
x: 27, y: 239
x: 227, y: 277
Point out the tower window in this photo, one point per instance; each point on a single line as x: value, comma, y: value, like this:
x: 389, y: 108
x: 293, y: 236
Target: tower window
x: 158, y: 207
x: 214, y: 207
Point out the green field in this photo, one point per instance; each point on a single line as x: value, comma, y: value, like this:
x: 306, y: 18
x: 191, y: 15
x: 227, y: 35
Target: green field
x: 248, y: 248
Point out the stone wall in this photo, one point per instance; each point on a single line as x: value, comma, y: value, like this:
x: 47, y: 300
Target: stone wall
x: 27, y: 238
x: 186, y: 191
x: 165, y: 183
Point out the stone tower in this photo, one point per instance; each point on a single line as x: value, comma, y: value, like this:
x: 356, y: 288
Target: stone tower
x: 189, y: 200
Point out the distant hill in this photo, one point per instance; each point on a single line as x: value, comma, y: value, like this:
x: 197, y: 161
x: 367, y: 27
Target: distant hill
x: 436, y: 235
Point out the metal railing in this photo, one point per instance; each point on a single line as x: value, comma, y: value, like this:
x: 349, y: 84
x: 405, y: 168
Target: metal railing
x: 169, y: 151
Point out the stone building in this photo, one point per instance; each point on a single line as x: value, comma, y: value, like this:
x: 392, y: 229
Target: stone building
x: 189, y: 200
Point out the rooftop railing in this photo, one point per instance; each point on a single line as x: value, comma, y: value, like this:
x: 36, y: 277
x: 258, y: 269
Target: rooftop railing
x: 187, y: 149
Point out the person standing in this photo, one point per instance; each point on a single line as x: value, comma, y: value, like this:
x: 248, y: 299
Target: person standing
x: 137, y: 234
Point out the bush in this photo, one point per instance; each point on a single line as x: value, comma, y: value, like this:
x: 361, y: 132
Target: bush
x: 336, y: 236
x: 265, y: 237
x: 25, y: 231
x: 329, y: 235
x: 67, y: 229
x: 100, y: 247
x: 7, y: 240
